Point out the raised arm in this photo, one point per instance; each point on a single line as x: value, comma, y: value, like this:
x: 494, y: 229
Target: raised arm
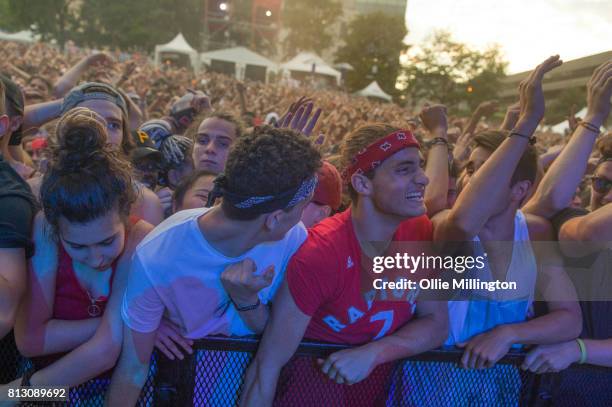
x: 70, y: 79
x: 587, y: 234
x: 41, y: 113
x: 434, y: 120
x: 471, y: 211
x: 559, y: 184
x: 280, y: 340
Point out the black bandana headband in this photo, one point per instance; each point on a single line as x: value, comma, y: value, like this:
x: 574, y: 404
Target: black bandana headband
x: 261, y: 204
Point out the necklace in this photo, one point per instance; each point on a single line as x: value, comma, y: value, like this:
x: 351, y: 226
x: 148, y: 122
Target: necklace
x: 93, y: 309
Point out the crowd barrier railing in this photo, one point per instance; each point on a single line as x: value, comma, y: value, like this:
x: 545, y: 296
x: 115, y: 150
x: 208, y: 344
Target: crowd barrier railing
x: 214, y: 376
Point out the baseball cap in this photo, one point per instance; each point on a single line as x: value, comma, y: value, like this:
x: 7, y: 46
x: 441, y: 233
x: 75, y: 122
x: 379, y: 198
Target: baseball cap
x: 144, y: 145
x: 329, y: 188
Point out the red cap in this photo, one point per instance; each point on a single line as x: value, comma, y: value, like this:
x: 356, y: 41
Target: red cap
x: 329, y: 187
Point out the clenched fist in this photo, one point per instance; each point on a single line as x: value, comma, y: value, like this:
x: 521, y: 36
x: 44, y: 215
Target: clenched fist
x: 243, y: 284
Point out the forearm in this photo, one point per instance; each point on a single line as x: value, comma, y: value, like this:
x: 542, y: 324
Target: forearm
x: 64, y: 335
x: 256, y: 319
x: 260, y: 384
x: 63, y: 85
x: 599, y: 352
x: 562, y: 178
x: 436, y: 191
x: 596, y: 227
x: 471, y: 211
x: 9, y: 301
x: 556, y: 326
x: 41, y: 113
x: 126, y: 385
x: 73, y: 369
x: 417, y: 336
x: 474, y: 119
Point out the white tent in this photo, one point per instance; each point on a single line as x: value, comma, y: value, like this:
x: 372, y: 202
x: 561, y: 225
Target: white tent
x: 247, y: 63
x: 307, y: 62
x: 25, y: 36
x: 178, y: 46
x: 373, y: 90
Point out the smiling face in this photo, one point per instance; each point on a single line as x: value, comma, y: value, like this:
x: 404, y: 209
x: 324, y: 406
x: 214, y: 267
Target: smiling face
x: 399, y: 184
x: 96, y: 244
x: 212, y: 143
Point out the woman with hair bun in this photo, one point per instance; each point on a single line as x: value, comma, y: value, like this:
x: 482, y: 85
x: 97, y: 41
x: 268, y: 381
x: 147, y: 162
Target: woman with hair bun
x: 69, y: 322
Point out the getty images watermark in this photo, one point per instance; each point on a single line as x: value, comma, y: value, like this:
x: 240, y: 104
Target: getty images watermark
x: 406, y: 263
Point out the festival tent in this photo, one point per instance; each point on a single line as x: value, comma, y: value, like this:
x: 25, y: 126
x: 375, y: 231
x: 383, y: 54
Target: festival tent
x: 178, y: 46
x: 308, y: 63
x: 373, y: 90
x: 240, y: 62
x: 25, y: 36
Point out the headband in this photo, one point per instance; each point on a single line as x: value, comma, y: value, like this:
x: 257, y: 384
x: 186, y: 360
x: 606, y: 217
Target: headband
x: 373, y: 155
x: 100, y: 91
x: 262, y: 204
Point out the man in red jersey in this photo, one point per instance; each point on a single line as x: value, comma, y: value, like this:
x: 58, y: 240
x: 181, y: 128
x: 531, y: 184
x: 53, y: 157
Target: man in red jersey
x: 321, y: 298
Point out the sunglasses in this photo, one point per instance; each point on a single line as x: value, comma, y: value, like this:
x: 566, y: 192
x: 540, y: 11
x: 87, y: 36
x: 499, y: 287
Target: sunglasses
x: 601, y: 185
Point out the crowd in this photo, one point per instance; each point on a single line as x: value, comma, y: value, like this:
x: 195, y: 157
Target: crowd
x: 145, y: 207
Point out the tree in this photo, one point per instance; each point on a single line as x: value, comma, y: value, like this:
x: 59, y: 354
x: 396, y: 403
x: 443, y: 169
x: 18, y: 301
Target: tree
x: 309, y: 23
x: 449, y: 72
x: 52, y: 19
x: 373, y: 52
x: 141, y: 24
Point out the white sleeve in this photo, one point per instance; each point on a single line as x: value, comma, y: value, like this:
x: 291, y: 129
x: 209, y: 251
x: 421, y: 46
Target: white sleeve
x: 294, y: 239
x: 142, y: 307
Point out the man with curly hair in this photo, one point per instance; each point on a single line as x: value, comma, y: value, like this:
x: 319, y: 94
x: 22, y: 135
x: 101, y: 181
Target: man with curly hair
x: 214, y: 270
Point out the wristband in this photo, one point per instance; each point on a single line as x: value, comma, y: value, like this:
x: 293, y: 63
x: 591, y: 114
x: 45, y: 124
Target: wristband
x: 246, y: 307
x: 589, y: 126
x: 437, y: 140
x: 583, y: 351
x: 532, y: 139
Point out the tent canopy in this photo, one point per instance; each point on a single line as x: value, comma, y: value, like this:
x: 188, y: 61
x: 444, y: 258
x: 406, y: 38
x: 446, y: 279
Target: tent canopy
x: 373, y: 90
x: 238, y: 55
x: 178, y: 45
x: 25, y: 36
x: 304, y: 62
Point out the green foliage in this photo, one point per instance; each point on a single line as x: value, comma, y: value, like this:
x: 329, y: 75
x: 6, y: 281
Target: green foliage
x: 558, y: 108
x: 309, y: 23
x: 449, y: 72
x: 52, y: 19
x: 140, y: 24
x: 372, y: 51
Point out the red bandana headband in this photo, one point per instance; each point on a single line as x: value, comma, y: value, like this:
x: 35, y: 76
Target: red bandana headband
x: 373, y: 155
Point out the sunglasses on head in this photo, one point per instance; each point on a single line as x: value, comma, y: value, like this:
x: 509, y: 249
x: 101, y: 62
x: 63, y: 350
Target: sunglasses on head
x: 601, y: 185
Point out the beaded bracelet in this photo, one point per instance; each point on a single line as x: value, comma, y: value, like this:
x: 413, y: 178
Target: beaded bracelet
x: 247, y: 307
x: 437, y: 140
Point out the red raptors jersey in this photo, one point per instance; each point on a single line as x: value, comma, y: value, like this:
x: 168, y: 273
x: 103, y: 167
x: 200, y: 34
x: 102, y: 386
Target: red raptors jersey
x: 324, y: 279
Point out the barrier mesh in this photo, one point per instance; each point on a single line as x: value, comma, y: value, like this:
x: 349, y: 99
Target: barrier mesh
x: 214, y: 376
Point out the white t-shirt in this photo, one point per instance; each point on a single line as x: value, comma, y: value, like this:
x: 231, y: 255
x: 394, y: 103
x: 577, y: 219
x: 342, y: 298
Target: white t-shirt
x: 176, y: 274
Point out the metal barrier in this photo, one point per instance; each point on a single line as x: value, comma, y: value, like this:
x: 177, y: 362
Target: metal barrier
x: 213, y: 376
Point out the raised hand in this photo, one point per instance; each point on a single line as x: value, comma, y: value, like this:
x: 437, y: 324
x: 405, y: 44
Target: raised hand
x: 487, y: 108
x: 512, y: 115
x: 531, y: 96
x: 298, y: 117
x: 434, y: 118
x: 599, y: 92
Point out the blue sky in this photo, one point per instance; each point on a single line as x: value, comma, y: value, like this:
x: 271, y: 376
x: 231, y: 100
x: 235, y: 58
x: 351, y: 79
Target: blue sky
x: 528, y: 30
